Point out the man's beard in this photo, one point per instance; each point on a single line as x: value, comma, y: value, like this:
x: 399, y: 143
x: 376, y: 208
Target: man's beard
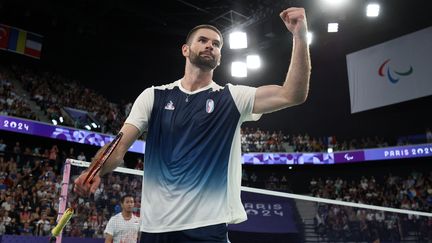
x: 204, y: 63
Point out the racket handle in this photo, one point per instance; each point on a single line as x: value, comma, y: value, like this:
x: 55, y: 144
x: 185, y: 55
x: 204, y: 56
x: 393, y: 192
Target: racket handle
x: 67, y: 215
x: 100, y: 161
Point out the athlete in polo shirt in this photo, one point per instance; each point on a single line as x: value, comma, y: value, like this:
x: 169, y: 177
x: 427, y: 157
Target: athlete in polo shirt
x: 124, y: 226
x: 192, y: 168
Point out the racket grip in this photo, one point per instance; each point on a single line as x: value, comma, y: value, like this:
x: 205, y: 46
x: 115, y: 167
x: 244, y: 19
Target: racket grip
x: 67, y: 215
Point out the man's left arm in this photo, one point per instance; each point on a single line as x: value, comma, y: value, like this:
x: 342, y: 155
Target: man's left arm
x: 108, y: 238
x: 294, y: 91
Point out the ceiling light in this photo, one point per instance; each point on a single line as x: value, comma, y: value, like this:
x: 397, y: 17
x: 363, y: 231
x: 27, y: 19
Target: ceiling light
x: 253, y: 61
x: 309, y: 37
x: 372, y: 10
x: 335, y: 2
x: 332, y: 27
x: 238, y: 40
x: 239, y: 69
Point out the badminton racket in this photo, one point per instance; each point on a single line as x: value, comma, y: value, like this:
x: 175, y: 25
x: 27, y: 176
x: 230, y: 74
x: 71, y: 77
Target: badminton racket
x: 93, y: 170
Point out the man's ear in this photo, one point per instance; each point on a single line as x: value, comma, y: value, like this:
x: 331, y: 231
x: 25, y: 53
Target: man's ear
x: 185, y: 50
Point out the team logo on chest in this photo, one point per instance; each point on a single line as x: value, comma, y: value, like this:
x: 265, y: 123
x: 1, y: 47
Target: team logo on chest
x: 209, y: 106
x: 169, y: 106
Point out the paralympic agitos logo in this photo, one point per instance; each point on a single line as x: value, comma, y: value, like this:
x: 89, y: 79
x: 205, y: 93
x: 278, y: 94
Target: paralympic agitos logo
x: 393, y: 75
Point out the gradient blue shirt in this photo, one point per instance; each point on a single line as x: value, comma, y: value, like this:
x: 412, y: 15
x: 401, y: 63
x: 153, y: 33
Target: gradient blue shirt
x: 192, y: 164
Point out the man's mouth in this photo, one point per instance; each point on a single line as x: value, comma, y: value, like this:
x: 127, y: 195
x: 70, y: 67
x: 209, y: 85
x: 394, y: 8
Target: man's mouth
x: 206, y: 54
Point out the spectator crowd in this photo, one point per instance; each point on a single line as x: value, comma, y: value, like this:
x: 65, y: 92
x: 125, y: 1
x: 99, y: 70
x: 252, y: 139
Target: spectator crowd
x: 12, y: 103
x: 412, y: 192
x: 30, y: 184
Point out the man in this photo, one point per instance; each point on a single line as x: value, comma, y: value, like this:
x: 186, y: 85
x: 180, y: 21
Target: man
x: 192, y: 169
x: 124, y: 226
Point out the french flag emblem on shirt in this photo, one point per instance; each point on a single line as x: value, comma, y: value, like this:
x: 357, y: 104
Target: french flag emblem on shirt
x: 209, y: 106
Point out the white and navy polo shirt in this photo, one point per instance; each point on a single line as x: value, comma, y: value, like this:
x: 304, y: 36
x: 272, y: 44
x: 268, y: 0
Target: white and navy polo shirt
x: 192, y: 166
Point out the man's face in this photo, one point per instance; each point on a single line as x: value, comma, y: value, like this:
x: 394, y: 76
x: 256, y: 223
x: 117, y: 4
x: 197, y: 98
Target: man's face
x: 205, y: 49
x: 128, y: 204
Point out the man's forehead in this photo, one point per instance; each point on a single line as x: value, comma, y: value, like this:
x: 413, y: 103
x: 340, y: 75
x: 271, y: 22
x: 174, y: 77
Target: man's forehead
x: 208, y: 33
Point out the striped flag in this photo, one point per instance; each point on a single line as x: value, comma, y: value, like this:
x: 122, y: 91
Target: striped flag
x: 17, y: 39
x: 4, y: 37
x: 33, y: 46
x: 20, y: 41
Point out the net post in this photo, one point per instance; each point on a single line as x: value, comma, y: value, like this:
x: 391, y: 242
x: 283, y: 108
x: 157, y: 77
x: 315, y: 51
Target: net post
x: 63, y: 193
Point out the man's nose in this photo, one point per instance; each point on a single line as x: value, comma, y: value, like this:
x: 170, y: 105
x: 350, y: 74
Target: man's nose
x: 209, y: 45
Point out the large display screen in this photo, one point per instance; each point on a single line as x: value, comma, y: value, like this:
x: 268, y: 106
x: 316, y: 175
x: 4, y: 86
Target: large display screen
x: 19, y: 125
x: 400, y: 152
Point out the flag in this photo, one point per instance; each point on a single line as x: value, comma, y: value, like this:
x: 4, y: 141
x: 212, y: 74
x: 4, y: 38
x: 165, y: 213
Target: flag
x: 391, y: 72
x: 20, y: 41
x: 4, y: 36
x: 17, y: 39
x: 33, y: 46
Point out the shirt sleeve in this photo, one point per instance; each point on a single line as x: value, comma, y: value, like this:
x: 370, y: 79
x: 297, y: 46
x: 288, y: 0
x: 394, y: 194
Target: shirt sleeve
x: 109, y: 229
x: 244, y: 98
x: 141, y: 110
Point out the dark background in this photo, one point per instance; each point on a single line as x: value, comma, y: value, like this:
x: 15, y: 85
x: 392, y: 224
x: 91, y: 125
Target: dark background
x: 122, y: 47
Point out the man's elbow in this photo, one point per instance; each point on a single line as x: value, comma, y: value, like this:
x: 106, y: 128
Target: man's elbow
x: 298, y: 99
x: 302, y: 99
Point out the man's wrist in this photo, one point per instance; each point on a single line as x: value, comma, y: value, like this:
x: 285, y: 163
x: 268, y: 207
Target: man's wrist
x: 300, y: 37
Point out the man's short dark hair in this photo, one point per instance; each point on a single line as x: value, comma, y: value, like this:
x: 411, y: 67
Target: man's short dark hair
x: 203, y: 26
x: 124, y: 198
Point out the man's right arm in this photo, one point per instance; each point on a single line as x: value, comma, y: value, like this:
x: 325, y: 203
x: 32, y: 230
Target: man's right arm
x: 130, y: 134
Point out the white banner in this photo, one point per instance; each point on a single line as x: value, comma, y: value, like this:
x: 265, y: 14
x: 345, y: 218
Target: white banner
x: 391, y: 72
